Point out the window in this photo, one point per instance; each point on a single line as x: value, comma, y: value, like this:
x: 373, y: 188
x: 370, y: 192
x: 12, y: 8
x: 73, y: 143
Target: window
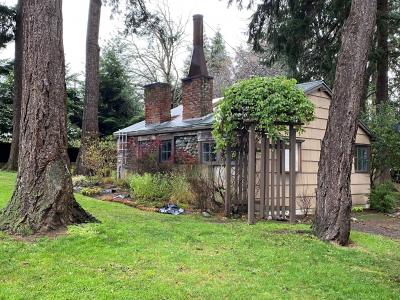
x: 208, y: 152
x: 166, y: 150
x: 298, y: 149
x: 361, y: 159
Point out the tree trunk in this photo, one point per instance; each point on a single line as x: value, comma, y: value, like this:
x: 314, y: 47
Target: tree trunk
x: 12, y: 164
x: 43, y: 199
x: 90, y: 124
x: 332, y: 220
x: 382, y: 81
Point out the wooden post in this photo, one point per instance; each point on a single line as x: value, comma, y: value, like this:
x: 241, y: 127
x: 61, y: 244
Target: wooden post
x: 292, y: 173
x: 252, y: 174
x: 283, y: 179
x: 240, y: 177
x: 273, y: 157
x: 228, y: 181
x: 278, y: 178
x: 262, y: 175
x: 267, y: 171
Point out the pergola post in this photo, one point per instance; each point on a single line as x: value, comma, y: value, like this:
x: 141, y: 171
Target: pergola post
x: 292, y: 173
x: 263, y: 175
x: 228, y: 169
x: 251, y: 174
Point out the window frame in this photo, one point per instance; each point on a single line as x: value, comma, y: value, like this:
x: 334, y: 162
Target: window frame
x: 298, y: 156
x: 368, y: 150
x: 170, y: 141
x: 201, y: 153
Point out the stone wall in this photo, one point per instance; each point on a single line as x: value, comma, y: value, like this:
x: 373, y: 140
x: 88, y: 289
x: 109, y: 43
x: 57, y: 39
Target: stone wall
x: 186, y: 149
x: 143, y: 152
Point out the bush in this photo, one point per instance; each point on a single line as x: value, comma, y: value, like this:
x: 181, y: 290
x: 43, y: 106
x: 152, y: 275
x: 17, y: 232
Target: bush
x: 157, y: 189
x: 357, y: 209
x: 101, y: 157
x: 91, y: 191
x: 79, y: 180
x: 181, y: 191
x: 384, y: 197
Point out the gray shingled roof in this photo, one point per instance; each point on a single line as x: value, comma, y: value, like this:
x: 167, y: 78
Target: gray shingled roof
x: 178, y: 125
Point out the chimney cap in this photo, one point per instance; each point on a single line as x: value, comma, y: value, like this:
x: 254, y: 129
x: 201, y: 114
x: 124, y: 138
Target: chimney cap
x: 155, y: 84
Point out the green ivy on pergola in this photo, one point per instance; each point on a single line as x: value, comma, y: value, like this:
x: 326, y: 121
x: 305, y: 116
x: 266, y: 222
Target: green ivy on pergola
x: 269, y: 102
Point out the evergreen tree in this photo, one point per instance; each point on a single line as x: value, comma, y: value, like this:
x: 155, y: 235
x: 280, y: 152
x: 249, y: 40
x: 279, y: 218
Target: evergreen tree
x: 333, y: 196
x: 90, y: 123
x: 120, y: 104
x: 6, y: 101
x: 219, y: 64
x: 306, y: 36
x: 7, y: 24
x: 43, y: 199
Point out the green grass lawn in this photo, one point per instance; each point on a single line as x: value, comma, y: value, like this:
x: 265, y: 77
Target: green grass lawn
x: 141, y: 255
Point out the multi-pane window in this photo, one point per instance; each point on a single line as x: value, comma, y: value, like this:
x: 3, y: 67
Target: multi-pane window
x: 361, y: 158
x: 208, y: 152
x: 165, y: 150
x: 297, y: 160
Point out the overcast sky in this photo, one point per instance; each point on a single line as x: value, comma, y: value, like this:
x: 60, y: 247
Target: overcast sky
x: 232, y: 23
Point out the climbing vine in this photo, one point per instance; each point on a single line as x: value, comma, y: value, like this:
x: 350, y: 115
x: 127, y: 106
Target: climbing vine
x: 268, y: 102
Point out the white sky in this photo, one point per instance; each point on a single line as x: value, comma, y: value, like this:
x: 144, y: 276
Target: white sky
x: 232, y: 23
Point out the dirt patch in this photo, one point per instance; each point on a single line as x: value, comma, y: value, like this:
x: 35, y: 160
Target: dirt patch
x: 33, y: 238
x: 377, y: 223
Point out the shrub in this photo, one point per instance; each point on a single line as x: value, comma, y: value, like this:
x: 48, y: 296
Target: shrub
x: 356, y: 209
x: 79, y: 180
x: 181, y: 192
x: 157, y: 189
x: 91, y: 191
x: 101, y: 157
x: 150, y: 187
x: 384, y: 197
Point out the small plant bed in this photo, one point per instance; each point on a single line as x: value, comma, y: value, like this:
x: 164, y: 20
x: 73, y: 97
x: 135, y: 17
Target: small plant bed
x: 148, y: 192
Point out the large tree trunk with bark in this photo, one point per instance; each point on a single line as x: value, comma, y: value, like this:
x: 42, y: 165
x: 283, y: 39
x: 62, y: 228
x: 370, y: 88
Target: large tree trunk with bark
x: 90, y: 124
x: 382, y: 80
x: 12, y: 163
x: 332, y: 220
x: 43, y: 199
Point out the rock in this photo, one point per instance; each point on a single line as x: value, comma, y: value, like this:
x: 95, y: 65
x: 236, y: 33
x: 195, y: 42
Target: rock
x: 107, y: 191
x: 77, y: 189
x: 206, y: 214
x: 354, y: 219
x: 122, y: 196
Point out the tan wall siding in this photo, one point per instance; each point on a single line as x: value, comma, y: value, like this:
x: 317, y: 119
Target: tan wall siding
x: 310, y: 152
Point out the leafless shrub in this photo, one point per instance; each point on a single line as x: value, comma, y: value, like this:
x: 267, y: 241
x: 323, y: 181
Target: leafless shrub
x: 304, y: 203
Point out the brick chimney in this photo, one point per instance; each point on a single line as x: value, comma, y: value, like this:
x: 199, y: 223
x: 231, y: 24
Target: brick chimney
x: 197, y: 87
x: 157, y: 103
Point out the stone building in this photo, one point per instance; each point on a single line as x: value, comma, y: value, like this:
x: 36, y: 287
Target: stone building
x: 182, y: 135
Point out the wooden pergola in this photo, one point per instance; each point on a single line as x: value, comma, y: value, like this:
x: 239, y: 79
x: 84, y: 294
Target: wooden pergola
x: 242, y: 162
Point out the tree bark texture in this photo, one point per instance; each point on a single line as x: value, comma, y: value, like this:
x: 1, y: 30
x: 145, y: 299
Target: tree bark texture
x: 382, y: 81
x: 333, y: 208
x: 43, y: 199
x: 90, y: 124
x: 12, y: 163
